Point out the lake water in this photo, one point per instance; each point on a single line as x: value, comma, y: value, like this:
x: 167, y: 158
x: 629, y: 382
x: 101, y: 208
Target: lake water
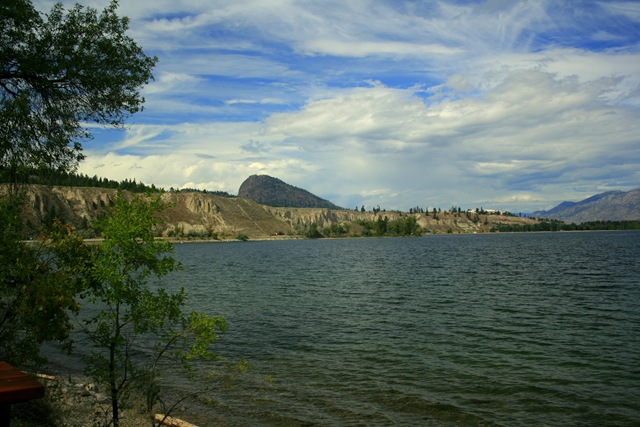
x: 446, y: 330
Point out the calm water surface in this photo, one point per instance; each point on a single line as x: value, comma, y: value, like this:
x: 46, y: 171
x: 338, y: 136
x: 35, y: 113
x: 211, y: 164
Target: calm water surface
x: 469, y: 330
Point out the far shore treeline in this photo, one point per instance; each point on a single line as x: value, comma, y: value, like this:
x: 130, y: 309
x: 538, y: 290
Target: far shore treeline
x: 557, y: 225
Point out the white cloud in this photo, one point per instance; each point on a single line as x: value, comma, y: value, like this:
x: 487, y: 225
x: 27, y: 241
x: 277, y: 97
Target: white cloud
x: 255, y: 101
x: 531, y: 126
x: 168, y: 82
x: 366, y: 48
x: 629, y: 9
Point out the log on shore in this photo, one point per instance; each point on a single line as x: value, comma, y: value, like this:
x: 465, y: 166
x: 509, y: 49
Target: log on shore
x: 172, y: 422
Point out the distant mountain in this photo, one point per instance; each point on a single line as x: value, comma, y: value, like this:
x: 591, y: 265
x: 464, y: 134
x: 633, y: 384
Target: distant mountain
x: 608, y: 206
x: 270, y: 191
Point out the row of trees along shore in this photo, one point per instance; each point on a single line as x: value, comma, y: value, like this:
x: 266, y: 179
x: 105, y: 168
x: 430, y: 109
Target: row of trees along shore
x: 60, y: 71
x: 556, y: 225
x: 382, y: 227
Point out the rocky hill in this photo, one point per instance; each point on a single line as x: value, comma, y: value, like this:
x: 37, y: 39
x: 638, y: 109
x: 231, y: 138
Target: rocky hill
x: 208, y: 216
x: 608, y: 206
x: 271, y: 191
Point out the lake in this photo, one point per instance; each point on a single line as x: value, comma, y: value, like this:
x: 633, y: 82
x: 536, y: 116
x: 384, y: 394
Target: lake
x: 444, y: 330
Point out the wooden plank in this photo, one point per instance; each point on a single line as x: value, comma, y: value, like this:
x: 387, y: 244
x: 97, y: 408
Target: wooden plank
x: 16, y: 386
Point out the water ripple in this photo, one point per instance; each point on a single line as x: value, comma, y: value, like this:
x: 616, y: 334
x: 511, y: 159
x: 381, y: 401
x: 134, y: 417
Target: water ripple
x: 483, y: 330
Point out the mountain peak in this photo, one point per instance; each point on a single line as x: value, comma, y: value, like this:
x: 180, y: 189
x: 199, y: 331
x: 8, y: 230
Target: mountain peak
x: 271, y: 191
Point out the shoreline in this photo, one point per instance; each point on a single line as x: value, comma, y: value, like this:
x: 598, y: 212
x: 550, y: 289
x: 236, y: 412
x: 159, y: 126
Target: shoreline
x: 76, y: 401
x: 174, y: 240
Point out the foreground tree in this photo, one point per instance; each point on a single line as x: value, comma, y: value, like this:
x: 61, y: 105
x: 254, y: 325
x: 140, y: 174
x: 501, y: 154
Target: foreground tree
x: 57, y: 72
x: 38, y: 286
x: 132, y: 313
x: 60, y: 72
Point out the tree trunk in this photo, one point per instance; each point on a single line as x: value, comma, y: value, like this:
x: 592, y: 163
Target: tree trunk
x: 115, y: 416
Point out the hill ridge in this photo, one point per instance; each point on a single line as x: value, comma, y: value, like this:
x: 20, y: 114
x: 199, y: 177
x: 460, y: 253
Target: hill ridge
x: 608, y: 206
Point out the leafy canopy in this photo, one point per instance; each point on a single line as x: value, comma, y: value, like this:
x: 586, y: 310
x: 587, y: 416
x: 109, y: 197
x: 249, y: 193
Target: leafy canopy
x: 60, y: 71
x: 38, y: 285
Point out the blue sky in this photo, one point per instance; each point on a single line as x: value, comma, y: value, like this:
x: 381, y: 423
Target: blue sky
x: 503, y: 104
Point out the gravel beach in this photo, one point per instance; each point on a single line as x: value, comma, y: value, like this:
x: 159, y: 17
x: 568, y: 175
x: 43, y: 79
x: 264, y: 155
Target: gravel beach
x: 75, y: 401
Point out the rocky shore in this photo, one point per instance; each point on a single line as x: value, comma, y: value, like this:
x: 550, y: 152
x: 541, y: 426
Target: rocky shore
x: 75, y: 401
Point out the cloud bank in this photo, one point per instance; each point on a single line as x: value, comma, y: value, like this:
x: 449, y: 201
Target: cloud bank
x: 510, y: 105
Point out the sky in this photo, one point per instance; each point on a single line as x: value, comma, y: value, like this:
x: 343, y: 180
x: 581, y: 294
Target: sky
x: 502, y: 104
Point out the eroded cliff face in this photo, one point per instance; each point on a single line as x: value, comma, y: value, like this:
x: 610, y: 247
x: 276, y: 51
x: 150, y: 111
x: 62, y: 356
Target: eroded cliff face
x: 303, y: 217
x: 202, y: 215
x: 190, y: 214
x: 77, y: 206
